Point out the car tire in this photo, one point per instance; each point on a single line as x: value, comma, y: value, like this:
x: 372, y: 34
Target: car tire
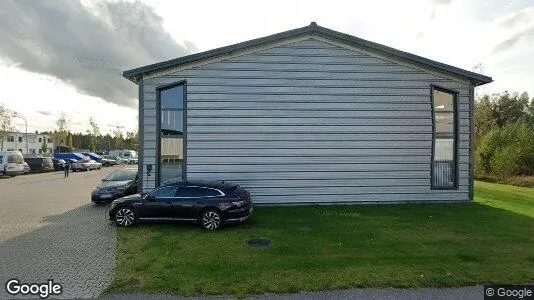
x: 211, y: 219
x: 124, y: 217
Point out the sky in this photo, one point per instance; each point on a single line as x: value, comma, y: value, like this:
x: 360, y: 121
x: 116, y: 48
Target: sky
x: 68, y: 55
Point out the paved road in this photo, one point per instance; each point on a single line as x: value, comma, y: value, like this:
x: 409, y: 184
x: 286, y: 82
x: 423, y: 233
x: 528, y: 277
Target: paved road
x: 464, y: 293
x: 50, y: 230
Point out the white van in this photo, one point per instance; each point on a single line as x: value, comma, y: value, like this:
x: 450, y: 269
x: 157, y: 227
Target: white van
x: 123, y: 153
x: 130, y: 156
x: 11, y: 163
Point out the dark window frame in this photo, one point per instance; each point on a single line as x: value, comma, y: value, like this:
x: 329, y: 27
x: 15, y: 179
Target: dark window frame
x: 455, y: 137
x: 159, y: 89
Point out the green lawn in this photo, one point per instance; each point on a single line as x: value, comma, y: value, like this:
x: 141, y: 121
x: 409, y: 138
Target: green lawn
x: 337, y: 247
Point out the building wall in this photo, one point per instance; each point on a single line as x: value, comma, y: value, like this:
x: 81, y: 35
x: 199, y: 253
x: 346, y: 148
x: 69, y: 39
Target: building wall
x: 34, y: 145
x: 311, y: 121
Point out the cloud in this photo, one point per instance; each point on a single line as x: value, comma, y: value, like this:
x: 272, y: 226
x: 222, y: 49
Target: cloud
x: 512, y: 40
x: 86, y: 47
x: 44, y: 112
x: 435, y: 4
x: 514, y: 20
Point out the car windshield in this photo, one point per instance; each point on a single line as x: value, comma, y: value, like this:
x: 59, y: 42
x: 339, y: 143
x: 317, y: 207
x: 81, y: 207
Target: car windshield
x: 121, y: 176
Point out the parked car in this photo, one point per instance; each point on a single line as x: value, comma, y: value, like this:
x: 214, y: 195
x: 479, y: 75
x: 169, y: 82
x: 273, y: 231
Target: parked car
x: 132, y: 160
x: 121, y: 160
x: 211, y: 204
x: 86, y: 165
x: 40, y: 164
x: 117, y: 184
x: 111, y: 161
x: 59, y: 164
x: 71, y: 161
x: 11, y: 163
x: 105, y: 162
x: 27, y: 168
x: 129, y: 160
x: 69, y: 155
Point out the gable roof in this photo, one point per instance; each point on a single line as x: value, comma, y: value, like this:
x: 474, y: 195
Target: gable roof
x: 312, y: 30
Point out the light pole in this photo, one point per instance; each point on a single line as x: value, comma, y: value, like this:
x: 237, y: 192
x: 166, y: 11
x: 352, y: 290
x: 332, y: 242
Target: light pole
x: 17, y: 115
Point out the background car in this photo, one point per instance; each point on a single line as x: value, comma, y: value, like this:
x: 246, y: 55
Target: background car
x: 121, y: 160
x: 209, y: 203
x: 109, y: 161
x: 59, y: 164
x: 40, y: 164
x: 105, y: 162
x: 117, y: 184
x: 86, y: 165
x: 133, y: 160
x: 27, y: 168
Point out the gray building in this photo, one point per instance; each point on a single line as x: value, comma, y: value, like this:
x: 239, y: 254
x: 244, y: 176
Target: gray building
x: 310, y: 115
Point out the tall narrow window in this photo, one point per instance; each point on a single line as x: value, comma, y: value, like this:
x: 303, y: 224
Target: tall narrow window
x: 444, y: 162
x: 171, y: 133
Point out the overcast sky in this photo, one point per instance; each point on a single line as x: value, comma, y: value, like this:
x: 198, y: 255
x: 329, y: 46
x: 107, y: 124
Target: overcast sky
x: 68, y: 55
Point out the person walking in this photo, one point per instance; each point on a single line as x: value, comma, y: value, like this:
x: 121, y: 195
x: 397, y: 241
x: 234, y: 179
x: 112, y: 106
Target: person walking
x: 67, y: 168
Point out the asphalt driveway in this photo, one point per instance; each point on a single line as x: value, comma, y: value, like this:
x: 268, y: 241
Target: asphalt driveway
x: 50, y: 230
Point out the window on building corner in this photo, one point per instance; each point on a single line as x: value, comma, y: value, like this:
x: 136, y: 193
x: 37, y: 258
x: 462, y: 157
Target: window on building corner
x: 171, y: 152
x: 444, y: 144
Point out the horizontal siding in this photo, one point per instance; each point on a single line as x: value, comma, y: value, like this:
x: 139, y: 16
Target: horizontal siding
x: 312, y: 167
x: 449, y: 196
x: 286, y: 175
x: 369, y: 106
x: 273, y: 160
x: 370, y: 76
x: 425, y: 152
x: 311, y: 122
x: 260, y: 129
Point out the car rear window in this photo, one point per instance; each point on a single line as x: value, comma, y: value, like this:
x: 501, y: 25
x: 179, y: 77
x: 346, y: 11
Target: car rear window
x: 197, y: 192
x: 121, y: 176
x: 18, y: 159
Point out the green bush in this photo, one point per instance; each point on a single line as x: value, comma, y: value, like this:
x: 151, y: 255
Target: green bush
x: 506, y: 151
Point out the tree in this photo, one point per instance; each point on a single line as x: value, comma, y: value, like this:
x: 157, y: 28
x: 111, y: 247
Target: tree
x: 119, y: 139
x: 60, y: 135
x: 485, y: 119
x: 44, y: 146
x: 530, y: 112
x: 506, y: 151
x: 132, y: 140
x: 6, y: 124
x: 94, y: 134
x: 70, y: 146
x: 510, y: 108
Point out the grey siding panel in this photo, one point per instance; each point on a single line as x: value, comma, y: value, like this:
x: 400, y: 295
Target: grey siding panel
x: 286, y: 120
x: 273, y: 160
x: 377, y: 175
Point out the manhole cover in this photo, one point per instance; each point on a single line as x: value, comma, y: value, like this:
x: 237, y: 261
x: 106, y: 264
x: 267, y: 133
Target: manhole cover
x: 258, y: 243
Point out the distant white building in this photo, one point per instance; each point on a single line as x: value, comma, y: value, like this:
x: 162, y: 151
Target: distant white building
x: 17, y: 141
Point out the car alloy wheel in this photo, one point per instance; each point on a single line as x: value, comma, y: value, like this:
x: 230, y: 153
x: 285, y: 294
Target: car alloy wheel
x: 211, y: 220
x: 124, y: 217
